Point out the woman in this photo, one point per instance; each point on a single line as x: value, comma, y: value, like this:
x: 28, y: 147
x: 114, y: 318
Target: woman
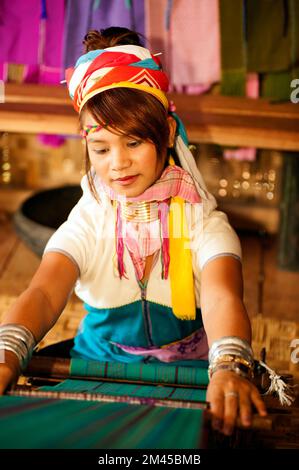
x: 157, y: 267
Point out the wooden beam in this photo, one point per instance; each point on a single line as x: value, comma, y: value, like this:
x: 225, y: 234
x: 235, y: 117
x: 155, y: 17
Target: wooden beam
x: 36, y: 94
x: 32, y: 108
x: 234, y: 121
x: 222, y: 120
x: 236, y: 136
x: 34, y: 120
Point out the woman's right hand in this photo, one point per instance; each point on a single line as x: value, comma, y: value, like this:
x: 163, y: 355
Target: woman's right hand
x: 9, y: 371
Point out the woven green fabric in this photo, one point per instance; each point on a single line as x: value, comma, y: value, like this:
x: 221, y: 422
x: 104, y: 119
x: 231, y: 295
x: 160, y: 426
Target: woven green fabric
x: 269, y: 36
x: 36, y: 423
x: 282, y: 64
x: 263, y: 38
x: 276, y: 86
x: 233, y: 58
x: 154, y: 373
x: 131, y: 390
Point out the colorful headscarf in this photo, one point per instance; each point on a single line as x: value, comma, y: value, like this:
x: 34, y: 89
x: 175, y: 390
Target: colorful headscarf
x: 120, y: 66
x: 130, y: 66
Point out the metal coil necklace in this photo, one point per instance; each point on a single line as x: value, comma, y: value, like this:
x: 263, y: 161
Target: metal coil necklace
x: 140, y: 211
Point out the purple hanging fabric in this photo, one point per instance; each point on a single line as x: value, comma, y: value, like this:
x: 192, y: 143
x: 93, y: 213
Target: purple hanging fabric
x: 3, y: 71
x: 48, y: 69
x: 51, y: 66
x: 19, y: 30
x: 31, y: 33
x: 83, y: 16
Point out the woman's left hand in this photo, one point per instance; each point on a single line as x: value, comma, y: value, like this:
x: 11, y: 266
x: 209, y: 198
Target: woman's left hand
x: 230, y: 397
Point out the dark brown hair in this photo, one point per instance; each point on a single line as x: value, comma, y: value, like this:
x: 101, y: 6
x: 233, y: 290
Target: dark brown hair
x: 127, y: 111
x: 109, y: 37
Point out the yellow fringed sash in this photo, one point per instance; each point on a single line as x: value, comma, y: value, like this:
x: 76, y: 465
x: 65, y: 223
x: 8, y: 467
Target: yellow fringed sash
x: 180, y: 266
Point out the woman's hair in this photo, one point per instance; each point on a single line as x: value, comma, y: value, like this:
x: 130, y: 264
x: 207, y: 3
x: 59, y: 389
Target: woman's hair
x: 127, y: 111
x: 109, y: 37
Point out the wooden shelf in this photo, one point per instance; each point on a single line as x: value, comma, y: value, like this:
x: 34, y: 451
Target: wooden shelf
x: 214, y: 119
x: 236, y: 121
x: 31, y: 108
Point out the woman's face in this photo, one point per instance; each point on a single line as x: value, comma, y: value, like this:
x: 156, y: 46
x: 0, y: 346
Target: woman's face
x: 128, y: 165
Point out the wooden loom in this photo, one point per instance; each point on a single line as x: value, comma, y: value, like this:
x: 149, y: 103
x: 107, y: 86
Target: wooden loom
x: 87, y: 404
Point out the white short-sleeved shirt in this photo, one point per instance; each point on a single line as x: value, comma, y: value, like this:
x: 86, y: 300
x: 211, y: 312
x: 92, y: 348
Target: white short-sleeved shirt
x: 87, y: 238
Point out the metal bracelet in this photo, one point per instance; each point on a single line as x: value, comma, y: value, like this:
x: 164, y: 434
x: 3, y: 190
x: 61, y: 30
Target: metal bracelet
x: 232, y: 358
x: 17, y: 348
x: 231, y: 341
x: 231, y: 351
x: 23, y: 359
x: 14, y: 350
x: 231, y: 344
x: 21, y: 332
x: 240, y: 369
x: 18, y: 339
x: 14, y: 342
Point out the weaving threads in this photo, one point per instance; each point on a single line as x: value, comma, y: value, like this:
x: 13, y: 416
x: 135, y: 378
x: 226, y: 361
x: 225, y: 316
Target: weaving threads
x: 148, y: 373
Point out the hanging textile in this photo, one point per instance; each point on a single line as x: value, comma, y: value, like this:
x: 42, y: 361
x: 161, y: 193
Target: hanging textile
x: 19, y: 31
x: 248, y: 25
x: 94, y: 14
x: 192, y: 59
x: 195, y: 37
x: 233, y: 55
x: 31, y: 33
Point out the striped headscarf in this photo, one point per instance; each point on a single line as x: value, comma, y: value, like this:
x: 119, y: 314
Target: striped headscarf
x: 120, y: 66
x: 130, y: 66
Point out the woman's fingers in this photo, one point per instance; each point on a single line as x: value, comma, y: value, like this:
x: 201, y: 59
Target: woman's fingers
x: 258, y: 402
x: 231, y: 397
x: 224, y: 409
x: 216, y: 400
x: 231, y: 405
x: 245, y: 409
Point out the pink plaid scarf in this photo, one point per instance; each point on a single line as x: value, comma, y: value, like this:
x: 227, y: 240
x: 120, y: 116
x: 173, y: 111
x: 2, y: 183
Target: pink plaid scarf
x: 145, y: 238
